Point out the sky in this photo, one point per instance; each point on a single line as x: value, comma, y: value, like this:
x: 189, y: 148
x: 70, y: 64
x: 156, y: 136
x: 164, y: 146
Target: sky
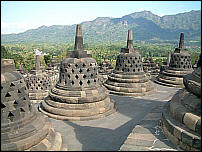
x: 19, y: 16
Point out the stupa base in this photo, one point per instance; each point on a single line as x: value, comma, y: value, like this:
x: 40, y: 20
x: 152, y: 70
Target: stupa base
x: 130, y: 89
x: 77, y: 112
x: 175, y: 84
x: 37, y: 136
x: 178, y: 133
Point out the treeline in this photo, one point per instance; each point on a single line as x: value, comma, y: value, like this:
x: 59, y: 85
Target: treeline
x: 24, y: 54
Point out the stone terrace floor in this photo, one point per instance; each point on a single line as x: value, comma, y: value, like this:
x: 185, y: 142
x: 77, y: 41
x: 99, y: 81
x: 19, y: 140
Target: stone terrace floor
x: 134, y: 126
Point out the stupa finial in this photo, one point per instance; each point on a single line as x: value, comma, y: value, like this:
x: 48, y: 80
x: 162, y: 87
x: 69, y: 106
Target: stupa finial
x: 79, y: 38
x: 181, y: 43
x: 130, y: 39
x: 37, y: 64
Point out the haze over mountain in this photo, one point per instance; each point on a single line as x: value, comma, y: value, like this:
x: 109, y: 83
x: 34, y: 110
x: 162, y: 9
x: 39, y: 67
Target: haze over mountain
x: 145, y: 25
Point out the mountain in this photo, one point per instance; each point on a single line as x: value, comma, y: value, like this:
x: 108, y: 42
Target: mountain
x: 145, y: 25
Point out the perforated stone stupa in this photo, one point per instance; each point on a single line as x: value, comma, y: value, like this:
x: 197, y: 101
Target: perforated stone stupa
x: 78, y: 95
x: 181, y: 118
x: 105, y: 68
x: 39, y: 83
x: 150, y: 67
x: 128, y: 78
x: 180, y: 65
x: 165, y: 65
x: 22, y: 127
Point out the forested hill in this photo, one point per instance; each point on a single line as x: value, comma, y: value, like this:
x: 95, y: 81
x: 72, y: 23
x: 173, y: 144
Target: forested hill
x: 145, y: 25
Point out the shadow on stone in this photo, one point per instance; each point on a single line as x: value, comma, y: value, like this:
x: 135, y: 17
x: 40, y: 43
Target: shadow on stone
x: 99, y: 138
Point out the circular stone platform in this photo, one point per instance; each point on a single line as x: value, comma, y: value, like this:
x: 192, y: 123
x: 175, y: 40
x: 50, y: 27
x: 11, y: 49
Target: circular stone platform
x: 181, y: 118
x: 22, y: 128
x: 180, y: 65
x: 128, y: 78
x: 79, y: 94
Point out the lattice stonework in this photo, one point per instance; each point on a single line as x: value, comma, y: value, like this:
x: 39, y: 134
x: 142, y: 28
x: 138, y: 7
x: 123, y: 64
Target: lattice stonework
x: 179, y: 65
x: 128, y: 77
x: 20, y: 122
x: 78, y: 94
x: 181, y: 117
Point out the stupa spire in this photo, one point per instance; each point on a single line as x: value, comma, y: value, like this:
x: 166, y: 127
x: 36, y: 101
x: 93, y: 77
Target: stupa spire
x: 181, y: 43
x: 37, y: 64
x: 130, y: 39
x: 79, y: 38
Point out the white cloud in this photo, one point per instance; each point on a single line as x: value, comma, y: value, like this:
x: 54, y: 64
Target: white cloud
x: 140, y: 10
x: 16, y: 27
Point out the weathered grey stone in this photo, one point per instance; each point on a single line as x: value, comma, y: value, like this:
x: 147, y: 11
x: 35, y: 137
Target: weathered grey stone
x: 183, y: 113
x: 179, y: 65
x: 78, y: 94
x: 129, y: 70
x: 22, y: 127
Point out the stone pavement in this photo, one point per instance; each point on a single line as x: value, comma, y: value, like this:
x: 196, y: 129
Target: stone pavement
x: 135, y: 115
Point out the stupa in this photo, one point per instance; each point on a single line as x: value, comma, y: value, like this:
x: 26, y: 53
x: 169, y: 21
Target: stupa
x: 181, y: 117
x: 38, y: 82
x: 105, y: 68
x: 180, y: 65
x: 165, y: 65
x: 78, y: 95
x: 22, y: 127
x: 128, y: 77
x: 150, y: 67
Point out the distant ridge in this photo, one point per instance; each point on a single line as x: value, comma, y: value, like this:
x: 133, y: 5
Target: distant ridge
x: 145, y: 25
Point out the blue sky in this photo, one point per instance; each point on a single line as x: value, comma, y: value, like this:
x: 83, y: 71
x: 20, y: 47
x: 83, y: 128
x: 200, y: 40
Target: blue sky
x: 19, y: 16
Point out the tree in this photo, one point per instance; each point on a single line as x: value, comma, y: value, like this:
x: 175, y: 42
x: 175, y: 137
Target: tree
x: 47, y: 59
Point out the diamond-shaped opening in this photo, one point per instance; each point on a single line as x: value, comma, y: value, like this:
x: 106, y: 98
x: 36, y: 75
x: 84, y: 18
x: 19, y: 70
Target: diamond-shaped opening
x: 12, y: 84
x: 91, y: 75
x: 88, y: 82
x: 80, y: 70
x: 72, y: 70
x: 8, y: 95
x: 22, y: 110
x: 133, y: 70
x: 15, y: 102
x: 19, y: 91
x: 76, y: 76
x: 3, y: 106
x: 68, y: 76
x: 84, y: 76
x: 24, y: 98
x: 76, y: 65
x: 21, y: 81
x: 80, y: 82
x: 10, y: 116
x: 88, y: 70
x: 90, y: 64
x: 84, y: 65
x: 72, y: 82
x: 94, y: 80
x: 65, y: 70
x: 30, y: 107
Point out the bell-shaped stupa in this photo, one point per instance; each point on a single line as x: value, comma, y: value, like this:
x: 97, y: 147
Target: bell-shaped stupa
x: 39, y: 82
x: 105, y: 68
x: 128, y: 77
x: 181, y: 118
x: 79, y: 94
x: 150, y: 67
x: 180, y: 65
x: 22, y: 127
